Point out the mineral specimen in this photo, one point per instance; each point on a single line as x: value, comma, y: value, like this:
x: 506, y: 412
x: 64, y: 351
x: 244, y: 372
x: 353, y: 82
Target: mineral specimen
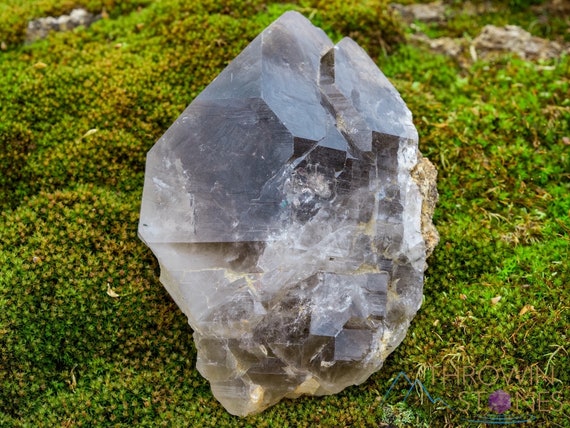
x: 290, y: 212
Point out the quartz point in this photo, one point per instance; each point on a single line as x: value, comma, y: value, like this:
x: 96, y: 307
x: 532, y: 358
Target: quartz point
x: 290, y: 212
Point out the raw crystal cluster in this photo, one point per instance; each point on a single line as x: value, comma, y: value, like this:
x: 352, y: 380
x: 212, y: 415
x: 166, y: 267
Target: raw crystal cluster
x: 290, y: 212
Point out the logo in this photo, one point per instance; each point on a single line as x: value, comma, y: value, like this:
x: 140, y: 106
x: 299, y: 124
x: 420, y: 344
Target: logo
x: 525, y: 395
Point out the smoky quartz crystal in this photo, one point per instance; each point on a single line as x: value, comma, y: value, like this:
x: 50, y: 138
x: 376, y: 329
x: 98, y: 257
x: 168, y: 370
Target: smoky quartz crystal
x: 290, y: 211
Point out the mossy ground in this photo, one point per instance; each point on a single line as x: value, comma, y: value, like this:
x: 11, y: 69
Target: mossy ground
x: 78, y: 112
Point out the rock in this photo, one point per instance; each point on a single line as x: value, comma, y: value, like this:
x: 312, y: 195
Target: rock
x: 444, y: 45
x: 492, y: 42
x: 41, y: 27
x: 425, y: 12
x: 512, y: 38
x: 290, y: 211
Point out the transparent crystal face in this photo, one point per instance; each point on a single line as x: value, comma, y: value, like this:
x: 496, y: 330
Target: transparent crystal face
x: 283, y: 213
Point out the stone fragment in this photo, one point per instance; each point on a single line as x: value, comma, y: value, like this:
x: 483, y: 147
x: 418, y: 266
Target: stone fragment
x: 493, y: 42
x: 290, y: 211
x: 452, y: 47
x: 511, y: 38
x: 41, y: 27
x: 424, y: 12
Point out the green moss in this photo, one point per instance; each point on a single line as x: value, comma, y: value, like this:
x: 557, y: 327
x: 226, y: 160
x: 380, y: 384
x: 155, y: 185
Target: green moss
x: 79, y: 111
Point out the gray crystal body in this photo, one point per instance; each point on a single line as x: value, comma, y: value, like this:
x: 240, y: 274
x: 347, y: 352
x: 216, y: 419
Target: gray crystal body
x: 282, y: 210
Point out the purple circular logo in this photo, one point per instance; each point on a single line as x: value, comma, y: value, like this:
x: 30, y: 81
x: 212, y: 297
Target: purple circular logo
x: 499, y: 401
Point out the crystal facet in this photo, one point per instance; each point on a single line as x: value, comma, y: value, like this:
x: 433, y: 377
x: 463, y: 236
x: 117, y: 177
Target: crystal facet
x: 290, y: 211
